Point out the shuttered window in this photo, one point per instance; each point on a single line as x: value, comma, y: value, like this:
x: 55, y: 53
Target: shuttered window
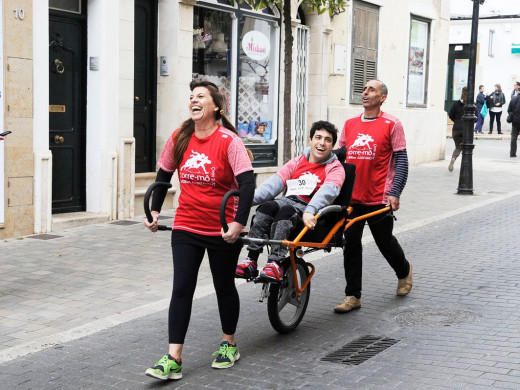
x: 365, y: 27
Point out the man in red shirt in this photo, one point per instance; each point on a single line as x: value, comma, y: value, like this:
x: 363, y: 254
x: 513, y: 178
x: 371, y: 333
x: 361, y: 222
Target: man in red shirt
x: 376, y: 144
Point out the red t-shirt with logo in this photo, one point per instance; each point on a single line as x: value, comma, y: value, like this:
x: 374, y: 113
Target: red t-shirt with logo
x: 207, y: 171
x: 299, y: 167
x: 370, y: 146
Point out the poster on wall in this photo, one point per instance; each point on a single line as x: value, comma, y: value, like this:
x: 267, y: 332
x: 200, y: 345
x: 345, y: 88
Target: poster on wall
x: 460, y: 76
x: 2, y: 161
x: 418, y: 52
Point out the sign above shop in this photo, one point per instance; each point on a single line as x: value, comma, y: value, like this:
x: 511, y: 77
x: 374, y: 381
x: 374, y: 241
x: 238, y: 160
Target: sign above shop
x: 256, y: 45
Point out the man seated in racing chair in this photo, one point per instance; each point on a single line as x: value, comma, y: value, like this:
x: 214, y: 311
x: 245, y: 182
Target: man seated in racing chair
x: 312, y: 181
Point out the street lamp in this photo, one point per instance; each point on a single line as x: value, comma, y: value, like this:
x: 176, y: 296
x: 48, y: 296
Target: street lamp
x: 469, y: 117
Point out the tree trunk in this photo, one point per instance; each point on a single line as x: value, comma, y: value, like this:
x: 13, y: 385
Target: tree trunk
x: 287, y: 108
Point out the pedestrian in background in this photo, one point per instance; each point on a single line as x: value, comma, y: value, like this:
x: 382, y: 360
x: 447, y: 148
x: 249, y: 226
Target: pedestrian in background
x: 481, y: 100
x: 376, y: 144
x: 495, y: 102
x: 210, y: 160
x: 514, y: 110
x: 516, y: 89
x: 457, y: 131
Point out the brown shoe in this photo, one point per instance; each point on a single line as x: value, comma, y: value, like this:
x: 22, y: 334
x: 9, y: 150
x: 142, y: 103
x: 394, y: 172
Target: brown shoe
x: 404, y: 286
x: 349, y: 303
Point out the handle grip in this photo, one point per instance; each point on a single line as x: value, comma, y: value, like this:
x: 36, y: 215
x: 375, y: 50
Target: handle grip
x: 146, y: 204
x: 223, y: 204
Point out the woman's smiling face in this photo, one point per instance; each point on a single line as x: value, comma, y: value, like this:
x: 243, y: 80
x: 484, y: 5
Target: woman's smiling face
x: 202, y: 105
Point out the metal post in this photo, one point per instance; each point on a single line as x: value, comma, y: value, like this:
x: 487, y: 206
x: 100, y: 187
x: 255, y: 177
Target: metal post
x: 469, y: 117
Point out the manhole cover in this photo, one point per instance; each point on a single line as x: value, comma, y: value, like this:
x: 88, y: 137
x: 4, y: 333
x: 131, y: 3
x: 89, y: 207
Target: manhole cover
x: 124, y: 222
x: 164, y: 217
x: 435, y: 317
x: 44, y: 236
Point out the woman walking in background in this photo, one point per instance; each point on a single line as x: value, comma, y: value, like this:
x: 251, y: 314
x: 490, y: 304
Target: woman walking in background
x: 495, y: 102
x: 457, y: 131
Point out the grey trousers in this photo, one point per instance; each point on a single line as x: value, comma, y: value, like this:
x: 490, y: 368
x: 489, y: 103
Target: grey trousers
x: 275, y: 219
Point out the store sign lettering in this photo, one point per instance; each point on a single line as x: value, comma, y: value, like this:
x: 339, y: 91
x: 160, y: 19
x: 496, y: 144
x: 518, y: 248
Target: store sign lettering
x: 256, y: 45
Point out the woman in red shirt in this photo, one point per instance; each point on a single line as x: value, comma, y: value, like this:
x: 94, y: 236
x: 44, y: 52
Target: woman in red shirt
x: 210, y: 160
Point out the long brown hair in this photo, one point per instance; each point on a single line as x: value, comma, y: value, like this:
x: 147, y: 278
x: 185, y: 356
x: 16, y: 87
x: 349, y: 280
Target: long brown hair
x: 183, y: 136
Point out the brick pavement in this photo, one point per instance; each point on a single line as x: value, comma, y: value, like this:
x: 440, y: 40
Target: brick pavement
x: 458, y: 329
x: 100, y: 276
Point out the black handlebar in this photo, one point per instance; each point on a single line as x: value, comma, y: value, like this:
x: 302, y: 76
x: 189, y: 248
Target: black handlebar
x: 223, y: 204
x: 146, y: 205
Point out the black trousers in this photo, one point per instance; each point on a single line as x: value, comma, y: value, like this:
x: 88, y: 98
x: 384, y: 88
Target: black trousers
x: 188, y: 250
x: 381, y: 227
x: 514, y: 136
x: 492, y: 116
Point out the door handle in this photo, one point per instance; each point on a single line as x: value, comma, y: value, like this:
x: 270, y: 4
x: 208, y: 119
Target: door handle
x: 58, y: 139
x: 136, y: 99
x: 59, y: 66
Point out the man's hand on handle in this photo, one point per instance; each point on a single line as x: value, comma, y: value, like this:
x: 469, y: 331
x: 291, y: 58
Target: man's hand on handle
x: 393, y: 202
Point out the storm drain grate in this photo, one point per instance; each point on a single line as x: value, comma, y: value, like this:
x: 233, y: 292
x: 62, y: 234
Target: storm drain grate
x: 124, y: 223
x: 360, y: 350
x: 45, y: 236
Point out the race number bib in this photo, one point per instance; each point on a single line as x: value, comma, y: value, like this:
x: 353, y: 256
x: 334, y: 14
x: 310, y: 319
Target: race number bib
x: 303, y: 186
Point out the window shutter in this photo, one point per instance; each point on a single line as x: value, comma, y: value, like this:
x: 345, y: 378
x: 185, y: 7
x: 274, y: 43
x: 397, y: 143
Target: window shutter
x: 365, y: 28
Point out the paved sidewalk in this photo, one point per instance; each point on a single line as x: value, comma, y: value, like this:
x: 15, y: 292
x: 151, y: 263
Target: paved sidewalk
x: 104, y: 280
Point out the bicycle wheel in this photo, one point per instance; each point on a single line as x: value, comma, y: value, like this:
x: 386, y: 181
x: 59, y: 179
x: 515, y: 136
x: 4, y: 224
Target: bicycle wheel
x: 285, y: 310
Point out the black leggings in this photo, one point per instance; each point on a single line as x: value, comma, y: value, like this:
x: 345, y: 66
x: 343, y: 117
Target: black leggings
x: 188, y: 250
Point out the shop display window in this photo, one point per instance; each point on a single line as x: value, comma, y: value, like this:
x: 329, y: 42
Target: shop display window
x: 256, y: 81
x: 238, y: 50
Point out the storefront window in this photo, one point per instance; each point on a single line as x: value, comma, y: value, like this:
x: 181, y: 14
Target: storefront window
x: 211, y: 50
x: 237, y: 48
x: 256, y: 82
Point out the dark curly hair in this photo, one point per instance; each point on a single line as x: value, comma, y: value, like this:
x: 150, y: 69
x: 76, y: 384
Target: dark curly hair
x: 328, y: 127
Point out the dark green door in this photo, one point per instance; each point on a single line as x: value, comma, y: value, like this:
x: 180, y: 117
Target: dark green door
x: 145, y: 80
x: 458, y: 60
x: 67, y: 112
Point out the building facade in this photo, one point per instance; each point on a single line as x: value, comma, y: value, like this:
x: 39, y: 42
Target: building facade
x: 498, y: 53
x: 93, y: 89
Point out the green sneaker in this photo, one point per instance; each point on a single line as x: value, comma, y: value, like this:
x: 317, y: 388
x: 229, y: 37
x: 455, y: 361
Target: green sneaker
x: 227, y: 355
x: 165, y: 368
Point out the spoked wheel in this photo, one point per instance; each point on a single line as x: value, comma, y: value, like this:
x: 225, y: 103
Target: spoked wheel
x: 285, y: 310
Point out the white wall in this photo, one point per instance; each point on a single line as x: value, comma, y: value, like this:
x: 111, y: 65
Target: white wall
x: 503, y: 67
x: 2, y: 183
x: 42, y: 155
x: 102, y: 132
x: 489, y: 8
x: 425, y: 127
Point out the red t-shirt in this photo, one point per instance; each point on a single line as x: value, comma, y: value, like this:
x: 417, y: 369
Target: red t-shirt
x: 300, y: 167
x: 370, y: 146
x: 207, y: 171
